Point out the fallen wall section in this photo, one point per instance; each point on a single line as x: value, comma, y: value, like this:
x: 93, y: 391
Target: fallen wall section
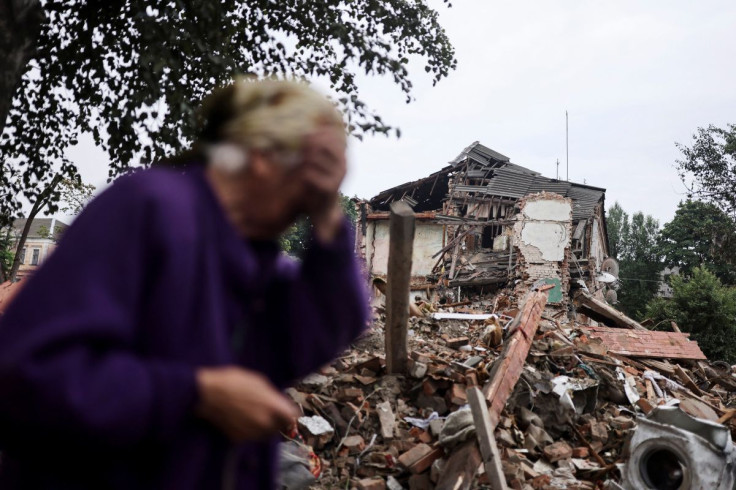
x: 542, y: 237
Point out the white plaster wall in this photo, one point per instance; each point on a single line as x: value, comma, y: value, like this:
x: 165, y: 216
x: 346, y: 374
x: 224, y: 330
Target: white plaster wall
x: 427, y: 242
x: 597, y: 250
x: 549, y: 238
x: 547, y: 210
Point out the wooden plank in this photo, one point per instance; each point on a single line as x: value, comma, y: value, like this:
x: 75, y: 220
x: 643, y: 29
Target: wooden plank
x: 460, y: 468
x: 507, y: 368
x: 727, y: 416
x: 604, y: 309
x: 486, y: 439
x: 687, y: 381
x: 401, y: 245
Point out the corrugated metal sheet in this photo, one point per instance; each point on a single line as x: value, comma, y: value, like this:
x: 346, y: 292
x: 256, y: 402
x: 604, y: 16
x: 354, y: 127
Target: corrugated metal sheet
x: 508, y: 183
x: 489, y: 154
x: 471, y: 188
x: 506, y: 180
x: 584, y: 201
x: 548, y: 185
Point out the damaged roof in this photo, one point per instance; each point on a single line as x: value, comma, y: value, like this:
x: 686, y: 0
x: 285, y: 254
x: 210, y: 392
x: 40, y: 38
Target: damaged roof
x: 505, y: 179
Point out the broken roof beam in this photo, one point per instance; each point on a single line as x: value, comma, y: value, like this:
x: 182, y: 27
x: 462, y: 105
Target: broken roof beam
x: 509, y: 365
x: 607, y: 311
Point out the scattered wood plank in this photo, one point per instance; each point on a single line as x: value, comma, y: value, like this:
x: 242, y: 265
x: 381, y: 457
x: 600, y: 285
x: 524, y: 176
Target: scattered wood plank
x: 687, y: 381
x: 486, y: 439
x: 605, y: 310
x: 401, y: 247
x: 460, y: 468
x: 727, y: 416
x: 507, y: 368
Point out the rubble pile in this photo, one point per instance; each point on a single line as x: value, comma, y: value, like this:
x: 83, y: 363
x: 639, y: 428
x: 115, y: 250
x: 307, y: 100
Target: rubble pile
x: 565, y: 423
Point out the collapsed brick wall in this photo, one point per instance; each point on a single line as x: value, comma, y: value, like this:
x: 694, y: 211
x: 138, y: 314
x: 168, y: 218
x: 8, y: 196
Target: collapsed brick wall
x: 542, y: 238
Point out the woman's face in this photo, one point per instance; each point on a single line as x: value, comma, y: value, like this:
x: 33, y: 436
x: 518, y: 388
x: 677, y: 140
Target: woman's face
x: 275, y: 196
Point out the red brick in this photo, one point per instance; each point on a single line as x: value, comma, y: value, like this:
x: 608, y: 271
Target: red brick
x: 371, y: 484
x: 457, y: 395
x: 580, y: 452
x: 557, y: 451
x: 414, y: 454
x: 424, y: 463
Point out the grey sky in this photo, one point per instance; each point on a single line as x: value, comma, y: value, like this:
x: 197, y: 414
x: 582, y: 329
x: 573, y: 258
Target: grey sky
x: 635, y: 77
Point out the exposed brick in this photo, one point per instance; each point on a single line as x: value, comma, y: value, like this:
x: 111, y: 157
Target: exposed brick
x: 414, y: 454
x: 425, y: 462
x: 655, y: 344
x: 457, y: 395
x: 355, y: 444
x: 349, y: 394
x: 580, y: 452
x: 457, y: 342
x: 557, y: 451
x: 371, y: 484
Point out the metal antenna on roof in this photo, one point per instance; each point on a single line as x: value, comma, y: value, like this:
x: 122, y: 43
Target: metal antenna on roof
x: 567, y: 146
x: 558, y: 169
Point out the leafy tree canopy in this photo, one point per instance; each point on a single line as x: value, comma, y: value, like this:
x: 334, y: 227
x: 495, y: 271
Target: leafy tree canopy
x: 700, y: 234
x: 708, y: 167
x: 132, y: 72
x: 706, y: 308
x: 296, y: 239
x: 633, y: 242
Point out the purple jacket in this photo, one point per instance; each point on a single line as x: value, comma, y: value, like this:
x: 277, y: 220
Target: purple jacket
x: 98, y: 351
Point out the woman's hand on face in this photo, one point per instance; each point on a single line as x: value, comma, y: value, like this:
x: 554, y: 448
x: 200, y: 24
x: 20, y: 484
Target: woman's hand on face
x: 322, y: 171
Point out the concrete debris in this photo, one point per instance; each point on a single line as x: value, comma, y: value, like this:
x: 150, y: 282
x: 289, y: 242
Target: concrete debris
x: 561, y: 415
x: 557, y: 379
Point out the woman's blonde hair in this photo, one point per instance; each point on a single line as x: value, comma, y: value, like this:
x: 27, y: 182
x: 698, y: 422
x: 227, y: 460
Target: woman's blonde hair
x: 267, y: 115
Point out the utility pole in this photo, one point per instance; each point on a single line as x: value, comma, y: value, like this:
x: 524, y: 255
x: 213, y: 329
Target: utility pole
x: 567, y: 146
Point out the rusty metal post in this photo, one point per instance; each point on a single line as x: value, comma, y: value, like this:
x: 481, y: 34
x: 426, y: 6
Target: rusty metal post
x: 401, y: 245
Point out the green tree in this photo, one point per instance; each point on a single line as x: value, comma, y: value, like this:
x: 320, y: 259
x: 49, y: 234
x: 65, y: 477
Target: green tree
x: 7, y: 252
x: 708, y: 167
x: 617, y: 223
x: 131, y: 72
x: 704, y: 307
x: 633, y: 242
x: 73, y: 194
x: 700, y: 234
x: 296, y: 240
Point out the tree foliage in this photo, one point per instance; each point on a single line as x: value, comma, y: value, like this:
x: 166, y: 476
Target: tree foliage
x: 7, y: 252
x: 131, y: 72
x: 706, y: 308
x: 633, y: 242
x: 296, y: 240
x: 700, y: 234
x: 708, y: 167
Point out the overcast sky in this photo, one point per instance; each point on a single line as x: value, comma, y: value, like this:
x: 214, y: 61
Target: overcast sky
x: 635, y: 76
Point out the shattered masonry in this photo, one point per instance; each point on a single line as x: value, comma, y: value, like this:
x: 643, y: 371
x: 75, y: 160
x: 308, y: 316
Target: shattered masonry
x: 508, y: 296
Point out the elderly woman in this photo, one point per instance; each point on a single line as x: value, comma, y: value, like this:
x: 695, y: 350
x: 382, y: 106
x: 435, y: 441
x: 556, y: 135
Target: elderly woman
x: 149, y: 350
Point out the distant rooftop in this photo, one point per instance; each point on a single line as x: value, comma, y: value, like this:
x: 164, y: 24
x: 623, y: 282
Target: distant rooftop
x: 38, y: 225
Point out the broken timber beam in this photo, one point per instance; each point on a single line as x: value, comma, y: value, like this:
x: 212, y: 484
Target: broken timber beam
x: 604, y: 309
x: 401, y: 246
x: 507, y: 368
x: 486, y: 439
x: 460, y: 468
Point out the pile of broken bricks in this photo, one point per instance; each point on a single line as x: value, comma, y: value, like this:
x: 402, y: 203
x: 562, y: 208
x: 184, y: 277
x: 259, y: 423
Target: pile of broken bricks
x: 561, y: 403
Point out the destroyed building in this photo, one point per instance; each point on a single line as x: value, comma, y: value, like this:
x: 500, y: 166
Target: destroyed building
x: 470, y: 231
x: 528, y: 378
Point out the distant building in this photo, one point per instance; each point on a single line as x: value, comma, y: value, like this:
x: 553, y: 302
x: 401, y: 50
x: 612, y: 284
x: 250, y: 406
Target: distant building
x: 41, y: 241
x: 665, y: 290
